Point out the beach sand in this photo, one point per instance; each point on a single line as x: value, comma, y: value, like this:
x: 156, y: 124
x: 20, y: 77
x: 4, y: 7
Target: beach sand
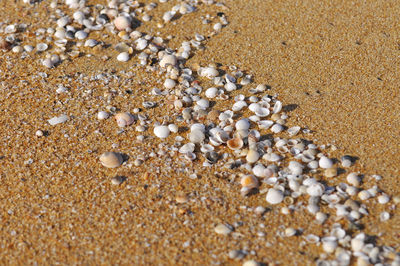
x: 333, y: 64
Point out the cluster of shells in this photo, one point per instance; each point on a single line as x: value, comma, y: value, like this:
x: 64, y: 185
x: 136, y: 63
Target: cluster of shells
x: 250, y: 138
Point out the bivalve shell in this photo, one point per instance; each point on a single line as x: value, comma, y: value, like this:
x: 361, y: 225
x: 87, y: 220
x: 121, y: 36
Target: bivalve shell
x: 235, y: 143
x: 124, y: 119
x: 274, y: 196
x: 325, y: 162
x: 111, y: 159
x: 161, y: 132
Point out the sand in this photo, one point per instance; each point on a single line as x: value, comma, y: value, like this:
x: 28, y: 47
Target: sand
x: 334, y: 64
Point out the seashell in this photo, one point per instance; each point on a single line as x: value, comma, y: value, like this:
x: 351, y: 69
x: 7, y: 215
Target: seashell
x: 222, y: 136
x: 321, y: 217
x: 295, y: 168
x: 312, y: 238
x: 230, y: 86
x: 265, y: 124
x: 239, y: 105
x: 190, y: 156
x: 254, y: 118
x: 325, y: 162
x: 316, y: 190
x: 329, y: 244
x: 91, y: 43
x: 277, y: 128
x: 330, y: 172
x: 81, y: 34
x: 241, y: 134
x: 123, y: 57
x: 290, y: 232
x: 254, y: 106
x: 169, y: 83
x: 196, y: 136
x: 252, y: 156
x: 384, y: 216
x: 313, y: 165
x: 346, y: 161
x: 383, y: 199
x: 260, y: 171
x: 173, y: 128
x: 124, y: 119
x: 111, y: 159
x: 161, y: 132
x: 209, y: 72
x: 102, y: 115
x: 204, y: 148
x: 188, y: 147
x: 271, y: 157
x: 122, y: 23
x: 167, y: 60
x: 262, y: 112
x: 242, y: 124
x: 41, y: 47
x: 274, y: 196
x: 364, y: 195
x: 58, y: 120
x: 211, y: 92
x: 313, y: 208
x: 118, y: 180
x: 212, y: 157
x: 357, y: 244
x: 293, y: 130
x: 214, y: 141
x: 200, y: 127
x: 277, y: 107
x: 223, y: 229
x: 338, y: 232
x: 203, y: 104
x: 249, y: 181
x: 353, y: 179
x: 235, y: 143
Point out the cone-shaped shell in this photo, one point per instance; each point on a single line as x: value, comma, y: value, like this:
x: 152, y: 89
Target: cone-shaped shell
x: 235, y: 143
x: 124, y: 119
x: 111, y: 159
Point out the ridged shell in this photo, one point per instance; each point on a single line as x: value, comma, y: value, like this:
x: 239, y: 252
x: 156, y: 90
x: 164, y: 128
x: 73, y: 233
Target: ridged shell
x: 124, y: 119
x: 111, y: 159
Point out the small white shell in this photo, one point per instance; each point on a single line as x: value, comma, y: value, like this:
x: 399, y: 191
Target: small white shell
x: 230, y: 86
x: 209, y: 72
x: 167, y: 60
x: 141, y: 44
x: 312, y: 238
x: 211, y: 92
x: 293, y: 130
x: 357, y: 244
x: 384, y: 216
x: 242, y: 124
x: 290, y: 232
x: 325, y: 162
x: 239, y: 105
x: 81, y: 35
x: 316, y: 190
x: 274, y: 196
x: 169, y: 83
x: 265, y: 124
x: 41, y: 47
x: 261, y: 111
x: 260, y: 171
x: 223, y: 229
x: 203, y: 104
x: 295, y: 168
x: 102, y: 115
x: 329, y: 244
x: 188, y: 147
x: 201, y: 127
x: 58, y: 119
x: 173, y: 128
x: 124, y: 119
x: 161, y: 132
x: 277, y: 128
x: 91, y: 43
x: 353, y: 179
x: 122, y: 23
x: 123, y: 57
x: 383, y: 199
x: 271, y: 157
x: 252, y: 156
x: 277, y: 107
x: 111, y: 159
x: 249, y: 181
x: 364, y: 195
x: 196, y: 136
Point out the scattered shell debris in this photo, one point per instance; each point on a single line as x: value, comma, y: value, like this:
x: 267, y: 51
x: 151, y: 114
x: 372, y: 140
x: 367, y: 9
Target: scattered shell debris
x: 251, y: 139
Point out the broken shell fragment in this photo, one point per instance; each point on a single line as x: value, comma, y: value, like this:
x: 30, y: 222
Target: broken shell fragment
x: 111, y: 159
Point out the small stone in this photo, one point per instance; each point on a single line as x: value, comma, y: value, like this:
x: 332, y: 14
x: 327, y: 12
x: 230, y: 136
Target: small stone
x: 118, y: 180
x: 330, y: 172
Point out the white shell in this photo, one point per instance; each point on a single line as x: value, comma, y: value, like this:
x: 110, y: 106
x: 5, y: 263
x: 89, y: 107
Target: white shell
x: 102, y: 115
x: 357, y: 244
x: 329, y: 244
x: 188, y: 147
x: 277, y: 128
x: 173, y: 128
x: 202, y: 128
x: 260, y: 171
x: 161, y: 132
x: 325, y: 162
x: 196, y: 136
x: 211, y: 92
x: 209, y: 72
x: 271, y: 157
x: 203, y: 104
x: 293, y: 130
x: 111, y: 159
x: 274, y: 196
x: 265, y: 124
x: 353, y: 179
x: 81, y: 35
x: 383, y: 199
x: 167, y: 60
x: 91, y: 43
x: 242, y: 124
x: 230, y: 86
x: 252, y: 156
x: 141, y: 44
x: 169, y: 83
x: 262, y: 111
x: 223, y: 229
x: 277, y: 107
x: 384, y: 216
x: 58, y: 119
x: 123, y: 57
x: 316, y: 190
x: 295, y: 167
x: 41, y: 47
x: 122, y: 23
x: 239, y: 105
x: 124, y: 119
